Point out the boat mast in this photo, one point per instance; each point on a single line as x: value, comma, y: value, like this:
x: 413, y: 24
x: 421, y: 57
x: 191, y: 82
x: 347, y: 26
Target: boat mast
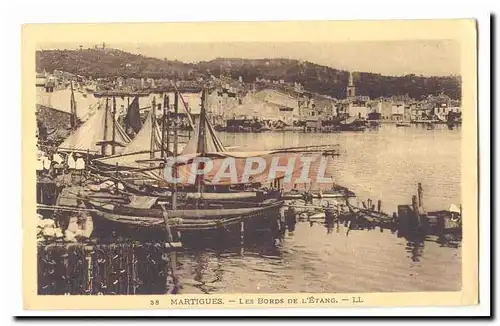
x: 103, y: 146
x: 176, y: 143
x: 201, y: 140
x: 73, y: 107
x: 153, y: 126
x: 163, y: 125
x: 114, y: 126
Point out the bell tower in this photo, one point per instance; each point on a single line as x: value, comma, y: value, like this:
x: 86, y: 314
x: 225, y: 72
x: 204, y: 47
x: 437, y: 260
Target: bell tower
x: 351, y: 89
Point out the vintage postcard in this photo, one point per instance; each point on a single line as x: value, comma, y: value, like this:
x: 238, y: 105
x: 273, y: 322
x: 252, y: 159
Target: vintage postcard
x: 250, y: 165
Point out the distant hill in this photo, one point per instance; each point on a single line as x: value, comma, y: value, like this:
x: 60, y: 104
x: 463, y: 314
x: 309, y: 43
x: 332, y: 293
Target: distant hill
x: 108, y: 63
x: 315, y: 78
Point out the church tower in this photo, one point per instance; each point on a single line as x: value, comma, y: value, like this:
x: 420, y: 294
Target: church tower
x: 351, y: 89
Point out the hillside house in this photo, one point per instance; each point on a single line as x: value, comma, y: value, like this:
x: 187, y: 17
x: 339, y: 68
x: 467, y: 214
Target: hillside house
x: 286, y: 102
x: 397, y: 112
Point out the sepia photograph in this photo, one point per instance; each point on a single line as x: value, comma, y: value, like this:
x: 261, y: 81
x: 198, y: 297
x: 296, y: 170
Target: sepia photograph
x: 333, y: 169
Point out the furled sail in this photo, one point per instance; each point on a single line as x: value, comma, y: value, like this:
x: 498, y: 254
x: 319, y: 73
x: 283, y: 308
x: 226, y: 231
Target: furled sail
x: 139, y: 150
x: 95, y: 134
x: 133, y: 118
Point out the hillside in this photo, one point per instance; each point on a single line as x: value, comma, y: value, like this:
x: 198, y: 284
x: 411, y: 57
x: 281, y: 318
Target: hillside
x: 314, y: 77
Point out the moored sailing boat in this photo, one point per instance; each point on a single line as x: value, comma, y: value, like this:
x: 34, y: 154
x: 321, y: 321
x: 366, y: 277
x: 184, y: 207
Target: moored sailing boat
x: 201, y: 213
x: 188, y: 221
x: 100, y: 135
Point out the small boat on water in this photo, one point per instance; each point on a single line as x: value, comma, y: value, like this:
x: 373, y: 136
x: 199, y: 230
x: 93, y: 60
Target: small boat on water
x: 189, y: 194
x: 188, y: 224
x: 446, y: 221
x: 403, y: 124
x: 245, y: 125
x: 352, y: 124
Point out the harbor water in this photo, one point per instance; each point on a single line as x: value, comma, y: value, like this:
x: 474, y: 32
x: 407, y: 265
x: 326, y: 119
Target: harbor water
x: 386, y: 164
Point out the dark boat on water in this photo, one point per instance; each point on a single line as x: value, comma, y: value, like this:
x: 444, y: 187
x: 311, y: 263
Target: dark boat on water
x: 185, y: 224
x: 403, y: 124
x: 196, y: 210
x: 352, y: 124
x: 245, y: 125
x: 199, y: 206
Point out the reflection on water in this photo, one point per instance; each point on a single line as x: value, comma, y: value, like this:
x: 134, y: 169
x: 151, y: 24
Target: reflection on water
x: 313, y: 259
x: 384, y: 164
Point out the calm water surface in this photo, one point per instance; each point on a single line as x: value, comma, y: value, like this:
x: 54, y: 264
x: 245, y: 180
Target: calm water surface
x: 381, y: 164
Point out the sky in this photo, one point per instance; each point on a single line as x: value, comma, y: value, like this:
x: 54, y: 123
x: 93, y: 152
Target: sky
x: 420, y: 57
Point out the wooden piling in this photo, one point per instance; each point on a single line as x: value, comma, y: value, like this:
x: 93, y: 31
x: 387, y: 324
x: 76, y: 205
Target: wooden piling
x: 167, y: 224
x: 176, y: 145
x: 113, y: 137
x: 172, y: 255
x: 164, y: 126
x: 103, y: 146
x: 89, y: 272
x: 420, y: 194
x: 242, y: 236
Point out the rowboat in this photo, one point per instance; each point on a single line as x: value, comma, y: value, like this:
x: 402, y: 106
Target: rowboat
x: 403, y: 124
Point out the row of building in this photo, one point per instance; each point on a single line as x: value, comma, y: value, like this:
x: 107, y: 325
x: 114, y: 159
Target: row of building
x: 268, y: 100
x: 293, y: 103
x: 61, y: 80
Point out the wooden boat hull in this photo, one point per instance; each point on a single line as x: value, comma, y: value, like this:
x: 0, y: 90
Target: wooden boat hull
x: 352, y: 128
x: 211, y: 197
x: 186, y: 225
x: 403, y: 124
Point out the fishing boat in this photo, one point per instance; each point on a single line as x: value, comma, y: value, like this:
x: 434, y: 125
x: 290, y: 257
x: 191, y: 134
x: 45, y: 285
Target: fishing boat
x: 446, y: 221
x: 403, y: 124
x: 187, y: 224
x: 243, y: 124
x: 140, y: 171
x: 333, y: 193
x: 369, y: 217
x: 352, y: 124
x: 208, y: 203
x: 100, y: 135
x: 151, y: 144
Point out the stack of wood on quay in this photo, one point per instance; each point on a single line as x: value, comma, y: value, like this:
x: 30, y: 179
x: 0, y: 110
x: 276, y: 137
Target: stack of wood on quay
x: 107, y: 177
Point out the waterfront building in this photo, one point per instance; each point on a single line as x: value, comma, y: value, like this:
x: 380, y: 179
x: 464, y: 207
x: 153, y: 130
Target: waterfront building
x: 384, y: 107
x: 397, y: 112
x: 279, y: 98
x: 222, y: 102
x: 120, y: 81
x: 359, y: 110
x: 443, y: 111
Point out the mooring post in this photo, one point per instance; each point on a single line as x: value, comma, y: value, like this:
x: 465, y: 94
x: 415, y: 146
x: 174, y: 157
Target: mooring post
x: 172, y: 256
x: 420, y: 193
x: 116, y: 176
x: 89, y: 272
x: 167, y: 225
x: 416, y: 213
x: 134, y: 272
x: 242, y: 232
